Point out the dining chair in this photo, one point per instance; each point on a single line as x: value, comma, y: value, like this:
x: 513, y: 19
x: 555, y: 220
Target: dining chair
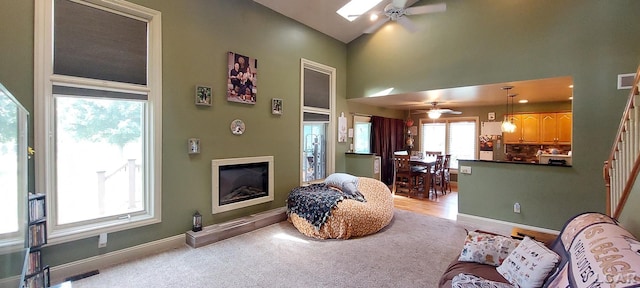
x: 432, y: 153
x: 403, y: 174
x: 446, y: 174
x: 436, y: 175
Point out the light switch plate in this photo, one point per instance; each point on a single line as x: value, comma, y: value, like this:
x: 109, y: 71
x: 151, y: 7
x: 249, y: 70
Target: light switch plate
x: 465, y: 169
x: 102, y: 240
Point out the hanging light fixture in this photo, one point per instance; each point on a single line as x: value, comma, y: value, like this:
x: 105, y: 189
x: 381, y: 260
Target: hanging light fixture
x: 434, y: 114
x: 507, y: 124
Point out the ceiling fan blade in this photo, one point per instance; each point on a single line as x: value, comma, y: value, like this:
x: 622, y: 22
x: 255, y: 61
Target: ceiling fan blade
x: 454, y: 112
x: 407, y: 24
x: 376, y: 26
x: 426, y: 9
x: 399, y: 3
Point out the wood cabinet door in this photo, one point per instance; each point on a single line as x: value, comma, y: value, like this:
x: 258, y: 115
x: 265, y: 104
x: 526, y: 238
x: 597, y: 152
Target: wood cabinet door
x: 516, y: 136
x: 564, y: 123
x: 530, y: 128
x: 548, y: 128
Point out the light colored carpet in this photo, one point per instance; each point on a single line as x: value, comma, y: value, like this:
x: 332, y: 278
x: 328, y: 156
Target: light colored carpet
x: 413, y: 251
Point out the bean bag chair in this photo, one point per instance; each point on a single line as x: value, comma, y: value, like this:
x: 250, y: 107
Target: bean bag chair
x: 345, y: 217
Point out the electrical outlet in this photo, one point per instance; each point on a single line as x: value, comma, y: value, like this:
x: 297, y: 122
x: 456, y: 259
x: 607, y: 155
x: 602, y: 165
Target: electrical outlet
x: 516, y: 207
x: 465, y: 169
x: 102, y: 240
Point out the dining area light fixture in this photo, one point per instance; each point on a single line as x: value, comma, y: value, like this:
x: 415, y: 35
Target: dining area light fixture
x: 433, y: 114
x: 507, y: 124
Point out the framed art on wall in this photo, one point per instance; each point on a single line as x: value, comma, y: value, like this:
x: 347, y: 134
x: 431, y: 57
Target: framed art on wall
x: 242, y: 84
x: 203, y: 95
x: 276, y: 106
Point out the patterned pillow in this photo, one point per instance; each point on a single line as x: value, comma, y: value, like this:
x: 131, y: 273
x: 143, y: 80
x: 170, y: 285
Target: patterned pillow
x: 486, y: 248
x: 471, y: 281
x: 529, y: 264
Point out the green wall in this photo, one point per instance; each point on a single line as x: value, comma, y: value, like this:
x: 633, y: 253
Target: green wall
x: 197, y: 34
x: 483, y: 42
x: 474, y: 42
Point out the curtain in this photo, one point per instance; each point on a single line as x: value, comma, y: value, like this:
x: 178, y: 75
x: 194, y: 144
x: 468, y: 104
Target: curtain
x: 387, y: 136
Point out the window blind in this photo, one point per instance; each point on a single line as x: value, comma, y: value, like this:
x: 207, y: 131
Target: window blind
x: 94, y: 43
x: 316, y: 89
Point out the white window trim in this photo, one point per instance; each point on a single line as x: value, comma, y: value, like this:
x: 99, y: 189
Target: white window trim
x: 331, y: 133
x: 44, y: 127
x: 449, y: 120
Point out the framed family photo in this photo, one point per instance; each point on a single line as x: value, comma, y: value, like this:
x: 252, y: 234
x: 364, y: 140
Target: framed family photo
x: 203, y: 95
x: 242, y: 83
x: 276, y: 106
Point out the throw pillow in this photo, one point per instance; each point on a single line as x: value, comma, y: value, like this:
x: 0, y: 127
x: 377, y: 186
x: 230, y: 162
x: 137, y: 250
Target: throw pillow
x: 486, y: 248
x: 529, y: 264
x: 338, y: 179
x: 347, y: 183
x: 351, y: 192
x: 471, y: 281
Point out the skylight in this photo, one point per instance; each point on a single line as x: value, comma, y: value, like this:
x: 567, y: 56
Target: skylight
x: 352, y: 10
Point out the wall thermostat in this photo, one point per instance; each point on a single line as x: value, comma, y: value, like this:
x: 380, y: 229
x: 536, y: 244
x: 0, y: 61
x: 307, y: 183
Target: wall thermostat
x: 492, y: 116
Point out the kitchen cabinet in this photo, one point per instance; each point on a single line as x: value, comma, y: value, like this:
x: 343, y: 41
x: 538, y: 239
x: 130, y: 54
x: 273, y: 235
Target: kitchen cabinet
x: 527, y: 129
x: 555, y: 128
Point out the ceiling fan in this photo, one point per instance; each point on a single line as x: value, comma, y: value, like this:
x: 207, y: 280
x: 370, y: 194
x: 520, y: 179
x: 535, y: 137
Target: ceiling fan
x: 396, y: 11
x: 435, y: 112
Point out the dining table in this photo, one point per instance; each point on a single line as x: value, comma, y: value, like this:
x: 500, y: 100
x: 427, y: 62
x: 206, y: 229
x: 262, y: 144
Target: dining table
x: 425, y: 164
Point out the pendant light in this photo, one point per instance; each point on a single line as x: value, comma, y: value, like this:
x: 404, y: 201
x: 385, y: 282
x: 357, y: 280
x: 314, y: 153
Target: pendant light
x: 507, y: 124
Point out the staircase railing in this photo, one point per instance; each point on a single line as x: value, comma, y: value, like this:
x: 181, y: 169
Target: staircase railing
x: 622, y: 167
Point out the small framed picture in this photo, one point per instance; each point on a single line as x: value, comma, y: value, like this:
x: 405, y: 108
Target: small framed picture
x: 203, y: 95
x: 276, y: 106
x: 194, y: 145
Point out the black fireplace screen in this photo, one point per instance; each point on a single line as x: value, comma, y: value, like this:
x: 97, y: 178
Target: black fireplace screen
x: 242, y: 182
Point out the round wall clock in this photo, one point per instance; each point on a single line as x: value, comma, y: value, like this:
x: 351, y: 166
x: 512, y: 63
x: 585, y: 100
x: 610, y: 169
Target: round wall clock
x: 237, y: 127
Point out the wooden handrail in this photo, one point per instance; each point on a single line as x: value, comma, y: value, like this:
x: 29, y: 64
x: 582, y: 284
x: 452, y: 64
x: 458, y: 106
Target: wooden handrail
x: 609, y: 164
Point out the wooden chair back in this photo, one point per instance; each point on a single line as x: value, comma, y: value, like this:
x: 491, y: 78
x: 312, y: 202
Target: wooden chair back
x: 432, y: 153
x: 447, y: 162
x: 437, y: 166
x: 401, y: 163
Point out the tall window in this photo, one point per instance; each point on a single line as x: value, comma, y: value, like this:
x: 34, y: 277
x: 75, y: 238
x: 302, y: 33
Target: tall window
x: 99, y: 106
x: 318, y: 100
x: 13, y: 171
x: 456, y: 137
x: 361, y: 134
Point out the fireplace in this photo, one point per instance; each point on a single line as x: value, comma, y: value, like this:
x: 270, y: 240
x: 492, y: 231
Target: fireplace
x: 241, y: 182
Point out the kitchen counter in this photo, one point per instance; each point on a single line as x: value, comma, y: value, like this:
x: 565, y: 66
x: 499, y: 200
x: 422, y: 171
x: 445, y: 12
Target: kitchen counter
x: 518, y: 162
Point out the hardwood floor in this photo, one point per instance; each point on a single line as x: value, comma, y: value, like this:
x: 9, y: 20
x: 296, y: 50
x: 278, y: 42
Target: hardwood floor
x: 444, y: 206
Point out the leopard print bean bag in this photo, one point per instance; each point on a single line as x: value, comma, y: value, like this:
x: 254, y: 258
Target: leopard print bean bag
x: 352, y: 218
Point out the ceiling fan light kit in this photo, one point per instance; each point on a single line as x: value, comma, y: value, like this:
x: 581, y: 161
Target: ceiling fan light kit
x: 435, y: 112
x: 396, y: 11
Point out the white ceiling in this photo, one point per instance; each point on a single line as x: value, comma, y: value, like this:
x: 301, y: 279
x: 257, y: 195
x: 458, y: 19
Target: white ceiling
x: 321, y: 15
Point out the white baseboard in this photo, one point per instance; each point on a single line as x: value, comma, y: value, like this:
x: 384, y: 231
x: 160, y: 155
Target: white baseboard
x: 61, y: 272
x: 499, y: 226
x: 10, y: 282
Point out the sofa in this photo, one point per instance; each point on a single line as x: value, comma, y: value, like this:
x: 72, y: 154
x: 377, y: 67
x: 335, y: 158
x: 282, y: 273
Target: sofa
x: 592, y: 250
